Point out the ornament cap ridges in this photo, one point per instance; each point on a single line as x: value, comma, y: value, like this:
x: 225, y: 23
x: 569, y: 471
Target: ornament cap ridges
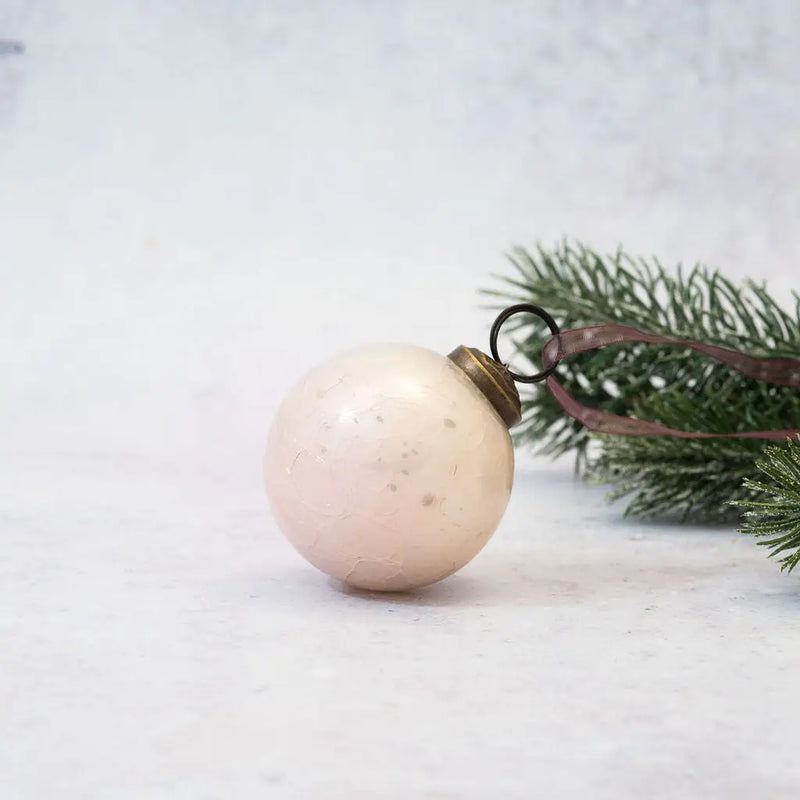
x: 493, y: 379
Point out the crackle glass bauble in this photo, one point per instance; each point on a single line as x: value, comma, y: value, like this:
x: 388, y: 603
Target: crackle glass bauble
x: 388, y: 468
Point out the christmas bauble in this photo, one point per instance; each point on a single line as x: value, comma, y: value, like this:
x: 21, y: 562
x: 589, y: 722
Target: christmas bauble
x: 390, y: 466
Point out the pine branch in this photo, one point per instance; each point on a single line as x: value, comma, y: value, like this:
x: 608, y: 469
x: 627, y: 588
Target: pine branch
x: 776, y: 518
x: 684, y: 478
x: 665, y: 383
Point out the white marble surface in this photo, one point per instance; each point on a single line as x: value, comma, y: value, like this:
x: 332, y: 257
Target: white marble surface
x: 197, y: 202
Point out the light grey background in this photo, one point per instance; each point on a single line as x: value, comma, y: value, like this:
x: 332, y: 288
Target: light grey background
x: 198, y: 201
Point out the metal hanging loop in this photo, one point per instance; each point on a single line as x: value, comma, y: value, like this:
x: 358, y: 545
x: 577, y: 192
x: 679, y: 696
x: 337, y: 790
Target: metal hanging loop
x: 522, y: 308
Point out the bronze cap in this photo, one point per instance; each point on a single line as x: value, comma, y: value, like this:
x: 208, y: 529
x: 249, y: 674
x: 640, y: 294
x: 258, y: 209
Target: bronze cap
x: 493, y: 379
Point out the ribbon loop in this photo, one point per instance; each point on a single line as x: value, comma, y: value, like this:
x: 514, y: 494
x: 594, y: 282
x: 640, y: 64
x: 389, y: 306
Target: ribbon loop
x: 780, y: 371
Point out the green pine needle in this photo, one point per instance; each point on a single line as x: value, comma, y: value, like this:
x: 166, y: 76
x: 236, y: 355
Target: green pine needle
x: 776, y: 519
x: 689, y: 479
x: 663, y: 476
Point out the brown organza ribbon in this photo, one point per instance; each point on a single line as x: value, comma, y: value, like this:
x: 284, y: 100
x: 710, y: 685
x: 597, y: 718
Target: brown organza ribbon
x: 781, y: 371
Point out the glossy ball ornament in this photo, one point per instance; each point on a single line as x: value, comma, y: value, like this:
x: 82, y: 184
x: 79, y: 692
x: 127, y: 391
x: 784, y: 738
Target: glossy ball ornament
x: 388, y: 467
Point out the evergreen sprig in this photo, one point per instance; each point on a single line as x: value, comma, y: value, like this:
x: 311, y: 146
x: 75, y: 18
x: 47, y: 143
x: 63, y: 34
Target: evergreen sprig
x: 776, y: 518
x: 678, y: 387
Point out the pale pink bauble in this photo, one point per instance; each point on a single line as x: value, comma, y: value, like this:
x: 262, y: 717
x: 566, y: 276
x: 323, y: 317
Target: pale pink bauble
x: 387, y: 468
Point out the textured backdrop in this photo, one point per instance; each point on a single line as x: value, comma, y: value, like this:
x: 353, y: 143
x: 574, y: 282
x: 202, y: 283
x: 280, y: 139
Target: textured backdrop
x: 198, y: 200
